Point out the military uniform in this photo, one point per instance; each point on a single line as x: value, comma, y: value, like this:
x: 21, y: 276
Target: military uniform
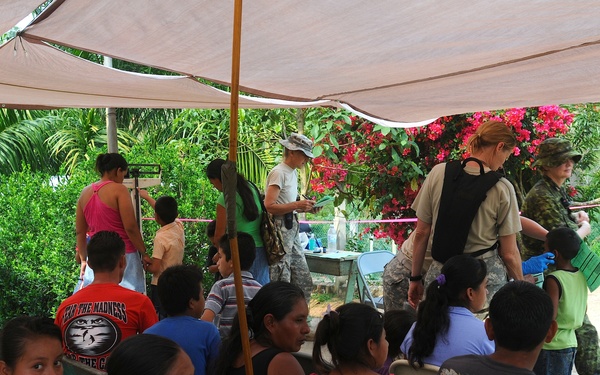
x: 292, y: 267
x: 543, y: 204
x: 547, y: 204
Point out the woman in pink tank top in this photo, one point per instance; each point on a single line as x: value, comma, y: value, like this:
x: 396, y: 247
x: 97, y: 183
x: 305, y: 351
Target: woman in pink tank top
x: 106, y: 206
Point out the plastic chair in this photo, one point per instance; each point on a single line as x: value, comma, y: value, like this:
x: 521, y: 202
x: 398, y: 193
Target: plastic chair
x: 370, y: 263
x: 402, y: 367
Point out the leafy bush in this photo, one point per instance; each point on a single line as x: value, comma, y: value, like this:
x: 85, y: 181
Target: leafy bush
x: 37, y: 268
x: 37, y: 241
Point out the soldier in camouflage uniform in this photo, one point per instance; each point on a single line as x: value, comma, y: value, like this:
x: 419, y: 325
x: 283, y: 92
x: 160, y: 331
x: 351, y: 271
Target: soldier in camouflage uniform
x: 548, y: 204
x: 280, y: 201
x: 395, y: 277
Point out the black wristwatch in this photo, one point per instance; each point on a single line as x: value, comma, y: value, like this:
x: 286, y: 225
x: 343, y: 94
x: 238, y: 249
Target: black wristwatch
x: 415, y: 278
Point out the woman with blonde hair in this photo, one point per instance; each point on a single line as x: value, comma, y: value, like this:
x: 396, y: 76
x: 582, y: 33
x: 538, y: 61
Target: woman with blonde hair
x: 443, y: 205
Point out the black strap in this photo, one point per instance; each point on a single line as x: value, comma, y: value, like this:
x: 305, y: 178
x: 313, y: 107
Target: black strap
x: 462, y: 195
x: 478, y: 253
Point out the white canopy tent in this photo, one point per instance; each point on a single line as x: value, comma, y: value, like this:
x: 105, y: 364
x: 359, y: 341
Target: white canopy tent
x: 392, y: 59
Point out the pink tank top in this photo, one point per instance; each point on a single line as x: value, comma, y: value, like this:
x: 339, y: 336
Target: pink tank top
x: 100, y: 217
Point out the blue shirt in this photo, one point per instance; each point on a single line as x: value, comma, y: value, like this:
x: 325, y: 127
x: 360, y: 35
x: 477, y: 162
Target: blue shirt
x: 199, y: 339
x: 466, y: 335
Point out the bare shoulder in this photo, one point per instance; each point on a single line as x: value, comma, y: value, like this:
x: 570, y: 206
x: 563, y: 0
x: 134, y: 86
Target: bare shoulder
x: 285, y: 363
x: 85, y: 195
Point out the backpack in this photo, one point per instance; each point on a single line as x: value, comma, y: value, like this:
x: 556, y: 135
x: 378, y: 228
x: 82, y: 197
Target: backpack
x: 462, y: 194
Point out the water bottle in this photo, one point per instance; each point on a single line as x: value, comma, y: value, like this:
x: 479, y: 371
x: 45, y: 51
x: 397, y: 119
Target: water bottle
x: 312, y: 243
x: 332, y: 239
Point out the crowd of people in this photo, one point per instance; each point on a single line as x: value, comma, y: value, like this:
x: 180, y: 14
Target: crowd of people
x: 458, y: 295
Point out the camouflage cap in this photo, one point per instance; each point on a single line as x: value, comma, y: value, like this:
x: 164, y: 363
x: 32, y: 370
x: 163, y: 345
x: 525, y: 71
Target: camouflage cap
x: 552, y: 152
x: 298, y: 142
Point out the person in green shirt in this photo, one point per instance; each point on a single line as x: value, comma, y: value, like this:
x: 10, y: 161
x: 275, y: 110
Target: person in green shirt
x: 248, y: 216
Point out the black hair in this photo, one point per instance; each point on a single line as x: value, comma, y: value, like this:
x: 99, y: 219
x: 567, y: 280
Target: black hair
x: 109, y: 161
x: 246, y: 192
x: 19, y: 331
x: 210, y: 228
x: 246, y: 247
x: 461, y: 272
x: 397, y: 323
x: 166, y: 208
x: 143, y: 354
x: 564, y: 240
x: 521, y: 314
x: 346, y: 332
x: 177, y: 285
x: 105, y: 250
x: 277, y: 298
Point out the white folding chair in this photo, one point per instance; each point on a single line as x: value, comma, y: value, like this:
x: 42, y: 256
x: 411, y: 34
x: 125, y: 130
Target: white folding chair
x: 368, y: 264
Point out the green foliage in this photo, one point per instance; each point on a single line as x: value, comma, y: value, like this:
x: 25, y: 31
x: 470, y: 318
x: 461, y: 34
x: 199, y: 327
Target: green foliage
x: 23, y: 137
x: 37, y: 243
x: 79, y: 133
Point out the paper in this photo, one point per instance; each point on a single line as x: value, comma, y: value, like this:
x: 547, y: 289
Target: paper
x: 323, y: 201
x: 589, y: 264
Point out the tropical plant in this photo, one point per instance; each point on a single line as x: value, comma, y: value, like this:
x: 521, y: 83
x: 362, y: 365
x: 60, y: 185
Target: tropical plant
x: 79, y: 133
x: 378, y: 170
x: 23, y: 137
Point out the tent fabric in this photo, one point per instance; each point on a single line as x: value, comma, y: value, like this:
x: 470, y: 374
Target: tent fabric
x: 12, y: 12
x: 36, y: 75
x: 395, y: 60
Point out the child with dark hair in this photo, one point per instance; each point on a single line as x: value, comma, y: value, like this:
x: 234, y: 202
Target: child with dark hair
x: 149, y: 355
x: 221, y: 302
x: 446, y: 326
x: 356, y: 339
x: 180, y: 293
x: 567, y: 288
x: 397, y: 323
x: 169, y: 242
x: 31, y: 344
x: 520, y: 321
x: 211, y: 258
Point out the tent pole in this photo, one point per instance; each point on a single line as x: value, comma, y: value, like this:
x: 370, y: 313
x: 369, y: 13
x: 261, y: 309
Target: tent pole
x: 111, y: 119
x: 230, y: 203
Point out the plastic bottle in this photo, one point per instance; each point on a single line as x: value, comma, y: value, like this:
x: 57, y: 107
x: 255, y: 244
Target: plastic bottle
x: 332, y: 239
x: 312, y: 243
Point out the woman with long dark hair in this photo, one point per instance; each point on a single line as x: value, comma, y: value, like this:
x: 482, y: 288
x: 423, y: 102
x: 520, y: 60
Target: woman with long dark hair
x: 446, y: 326
x: 277, y: 322
x: 248, y: 216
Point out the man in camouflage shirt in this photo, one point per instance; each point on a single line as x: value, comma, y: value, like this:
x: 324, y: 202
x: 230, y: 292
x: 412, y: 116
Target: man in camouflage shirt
x: 548, y: 204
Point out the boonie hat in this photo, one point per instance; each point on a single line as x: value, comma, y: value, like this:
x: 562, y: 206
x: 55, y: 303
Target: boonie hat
x: 298, y: 142
x: 552, y: 152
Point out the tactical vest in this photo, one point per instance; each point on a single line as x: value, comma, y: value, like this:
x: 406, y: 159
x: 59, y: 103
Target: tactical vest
x: 462, y: 194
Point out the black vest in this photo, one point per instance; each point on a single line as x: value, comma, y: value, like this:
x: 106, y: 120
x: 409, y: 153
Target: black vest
x: 462, y: 195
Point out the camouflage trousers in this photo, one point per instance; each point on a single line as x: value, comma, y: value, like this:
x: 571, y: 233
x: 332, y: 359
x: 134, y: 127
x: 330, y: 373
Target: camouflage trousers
x: 395, y: 283
x: 586, y: 360
x: 496, y: 273
x: 292, y: 267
